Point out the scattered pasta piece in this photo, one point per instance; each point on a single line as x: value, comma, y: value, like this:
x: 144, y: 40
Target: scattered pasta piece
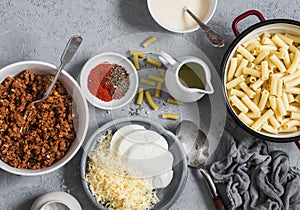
x: 150, y: 101
x: 158, y: 89
x: 170, y: 116
x: 173, y: 101
x: 136, y: 61
x: 156, y: 78
x: 149, y: 41
x: 154, y: 62
x: 140, y: 96
x: 148, y: 82
x: 138, y: 53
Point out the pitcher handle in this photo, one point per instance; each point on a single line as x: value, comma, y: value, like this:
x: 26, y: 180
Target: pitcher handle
x: 166, y: 59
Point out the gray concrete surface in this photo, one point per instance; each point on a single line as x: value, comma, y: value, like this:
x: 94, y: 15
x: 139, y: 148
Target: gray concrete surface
x: 38, y: 30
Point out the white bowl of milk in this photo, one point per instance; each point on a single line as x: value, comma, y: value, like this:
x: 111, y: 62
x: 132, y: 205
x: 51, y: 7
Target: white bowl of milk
x: 170, y: 14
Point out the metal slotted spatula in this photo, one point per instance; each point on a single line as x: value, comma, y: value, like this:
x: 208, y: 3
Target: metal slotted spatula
x: 195, y: 144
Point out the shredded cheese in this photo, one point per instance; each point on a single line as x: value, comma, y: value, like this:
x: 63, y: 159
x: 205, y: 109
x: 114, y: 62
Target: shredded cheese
x: 111, y: 183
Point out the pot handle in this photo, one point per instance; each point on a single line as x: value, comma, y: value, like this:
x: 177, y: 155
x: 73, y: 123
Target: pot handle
x: 243, y: 16
x: 298, y: 144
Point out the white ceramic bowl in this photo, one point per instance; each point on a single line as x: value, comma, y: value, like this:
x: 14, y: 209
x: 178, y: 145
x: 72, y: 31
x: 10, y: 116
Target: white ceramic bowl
x: 212, y: 5
x: 113, y: 58
x: 81, y: 108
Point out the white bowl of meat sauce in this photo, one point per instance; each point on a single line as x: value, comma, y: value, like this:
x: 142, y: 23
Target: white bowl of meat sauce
x: 109, y: 80
x: 36, y: 139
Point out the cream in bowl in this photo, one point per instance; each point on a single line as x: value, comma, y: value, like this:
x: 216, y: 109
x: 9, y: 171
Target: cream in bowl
x: 170, y: 14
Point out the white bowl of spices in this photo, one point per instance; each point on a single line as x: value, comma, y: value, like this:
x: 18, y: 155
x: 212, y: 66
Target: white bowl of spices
x: 109, y: 80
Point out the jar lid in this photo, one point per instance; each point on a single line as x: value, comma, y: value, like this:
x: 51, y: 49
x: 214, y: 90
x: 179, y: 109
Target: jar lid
x: 56, y: 201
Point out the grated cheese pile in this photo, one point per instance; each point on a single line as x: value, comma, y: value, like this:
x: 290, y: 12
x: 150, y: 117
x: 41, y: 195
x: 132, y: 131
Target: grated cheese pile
x: 111, y: 184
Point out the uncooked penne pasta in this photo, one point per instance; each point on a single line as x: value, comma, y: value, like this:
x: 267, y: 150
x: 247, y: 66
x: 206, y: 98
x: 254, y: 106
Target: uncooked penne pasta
x: 264, y: 70
x: 251, y: 72
x: 136, y: 61
x: 257, y: 84
x: 257, y: 96
x: 236, y: 92
x: 148, y: 82
x: 293, y: 90
x: 140, y: 96
x: 295, y: 116
x: 280, y: 107
x: 235, y: 82
x: 278, y: 41
x: 170, y: 116
x: 158, y: 89
x: 249, y: 103
x: 245, y: 53
x: 292, y: 83
x: 154, y: 62
x: 250, y: 41
x: 150, y: 101
x: 278, y: 63
x: 149, y: 41
x: 240, y: 68
x: 267, y: 48
x: 294, y: 38
x: 156, y: 78
x: 274, y: 122
x: 260, y: 57
x: 242, y: 116
x: 274, y: 83
x: 247, y: 90
x: 238, y: 104
x: 279, y: 87
x: 262, y: 120
x: 138, y: 53
x: 288, y: 130
x: 263, y: 100
x: 285, y: 101
x: 254, y: 115
x: 286, y: 39
x: 269, y: 129
x: 173, y: 101
x: 232, y: 68
x: 291, y: 123
x: 292, y: 68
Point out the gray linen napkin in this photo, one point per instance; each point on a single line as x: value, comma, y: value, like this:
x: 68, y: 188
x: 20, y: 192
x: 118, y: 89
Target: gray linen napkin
x: 256, y: 178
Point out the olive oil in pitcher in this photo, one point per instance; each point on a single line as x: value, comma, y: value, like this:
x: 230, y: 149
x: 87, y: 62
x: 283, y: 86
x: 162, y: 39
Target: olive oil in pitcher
x: 192, y: 75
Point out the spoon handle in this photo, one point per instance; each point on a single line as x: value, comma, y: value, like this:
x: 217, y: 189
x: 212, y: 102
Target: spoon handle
x: 70, y: 49
x: 214, y: 38
x: 216, y: 197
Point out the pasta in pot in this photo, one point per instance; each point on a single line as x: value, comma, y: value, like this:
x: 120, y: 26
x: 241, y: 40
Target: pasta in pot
x: 263, y: 83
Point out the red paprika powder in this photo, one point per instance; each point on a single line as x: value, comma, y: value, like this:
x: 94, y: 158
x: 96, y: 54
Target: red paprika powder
x: 108, y: 81
x: 98, y: 82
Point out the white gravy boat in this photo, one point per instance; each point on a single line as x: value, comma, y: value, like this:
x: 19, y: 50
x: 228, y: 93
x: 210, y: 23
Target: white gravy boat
x: 176, y: 88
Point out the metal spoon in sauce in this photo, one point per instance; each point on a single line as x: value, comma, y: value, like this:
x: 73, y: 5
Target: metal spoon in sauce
x: 195, y: 144
x: 214, y: 38
x: 69, y: 51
